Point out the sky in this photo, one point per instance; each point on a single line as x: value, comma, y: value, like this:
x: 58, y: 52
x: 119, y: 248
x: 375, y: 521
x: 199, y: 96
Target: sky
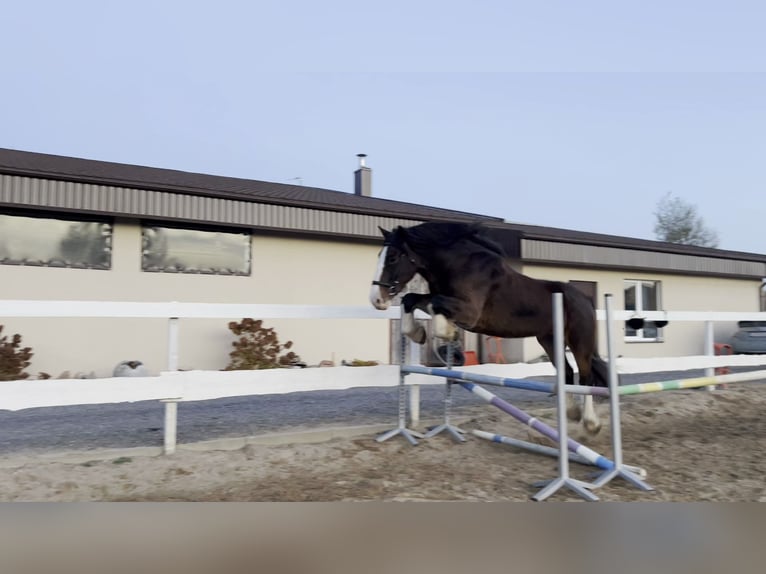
x: 576, y: 115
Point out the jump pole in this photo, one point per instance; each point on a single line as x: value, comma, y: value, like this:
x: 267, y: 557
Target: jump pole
x: 565, y: 444
x: 522, y: 384
x: 619, y: 469
x: 563, y: 479
x: 542, y: 449
x: 401, y: 428
x: 572, y: 445
x: 694, y: 383
x: 455, y: 432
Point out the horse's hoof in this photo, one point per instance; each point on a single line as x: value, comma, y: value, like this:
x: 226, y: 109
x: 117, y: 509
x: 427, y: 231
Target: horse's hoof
x: 592, y: 427
x: 574, y: 413
x: 419, y: 335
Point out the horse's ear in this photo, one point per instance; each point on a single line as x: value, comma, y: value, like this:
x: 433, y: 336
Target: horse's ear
x: 400, y: 233
x: 385, y: 232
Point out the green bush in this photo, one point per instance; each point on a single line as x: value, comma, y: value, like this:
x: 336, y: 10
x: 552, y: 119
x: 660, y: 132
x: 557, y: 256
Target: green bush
x: 258, y: 347
x: 13, y: 358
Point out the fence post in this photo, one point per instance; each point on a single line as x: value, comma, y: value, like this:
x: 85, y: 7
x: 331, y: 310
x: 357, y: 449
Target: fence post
x: 171, y: 405
x: 709, y: 349
x: 171, y: 424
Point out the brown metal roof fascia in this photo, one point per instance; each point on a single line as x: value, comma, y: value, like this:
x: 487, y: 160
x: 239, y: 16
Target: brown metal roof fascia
x: 30, y: 164
x: 602, y: 240
x: 546, y: 252
x: 644, y: 269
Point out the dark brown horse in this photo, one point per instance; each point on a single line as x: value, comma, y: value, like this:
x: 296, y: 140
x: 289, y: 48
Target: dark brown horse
x: 473, y: 286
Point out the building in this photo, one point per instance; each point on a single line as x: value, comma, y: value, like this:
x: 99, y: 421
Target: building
x: 642, y: 275
x: 77, y: 229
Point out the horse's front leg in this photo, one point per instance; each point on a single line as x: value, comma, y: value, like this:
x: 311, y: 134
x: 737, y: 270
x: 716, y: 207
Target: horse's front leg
x: 444, y: 310
x: 410, y: 327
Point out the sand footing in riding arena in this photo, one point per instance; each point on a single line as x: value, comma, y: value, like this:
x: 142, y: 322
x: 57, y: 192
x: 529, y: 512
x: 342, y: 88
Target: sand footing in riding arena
x: 696, y: 445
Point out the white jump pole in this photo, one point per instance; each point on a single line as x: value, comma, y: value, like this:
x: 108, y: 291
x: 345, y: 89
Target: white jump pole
x: 620, y: 469
x: 414, y: 390
x: 455, y: 432
x: 401, y: 428
x: 563, y: 480
x: 541, y: 449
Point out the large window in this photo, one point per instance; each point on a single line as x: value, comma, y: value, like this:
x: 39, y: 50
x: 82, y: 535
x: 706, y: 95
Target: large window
x: 641, y: 296
x: 49, y: 242
x: 175, y: 250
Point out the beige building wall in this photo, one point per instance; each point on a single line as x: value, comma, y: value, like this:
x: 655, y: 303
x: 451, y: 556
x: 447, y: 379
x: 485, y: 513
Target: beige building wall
x: 291, y: 270
x: 678, y: 293
x: 285, y: 270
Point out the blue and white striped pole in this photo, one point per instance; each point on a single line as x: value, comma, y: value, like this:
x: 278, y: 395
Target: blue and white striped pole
x: 580, y: 449
x: 523, y: 384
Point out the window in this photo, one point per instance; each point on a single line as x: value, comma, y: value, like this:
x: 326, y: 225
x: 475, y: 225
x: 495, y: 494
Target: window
x: 55, y: 242
x: 641, y: 296
x: 176, y: 250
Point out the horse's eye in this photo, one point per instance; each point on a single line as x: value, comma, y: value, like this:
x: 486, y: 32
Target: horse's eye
x: 393, y: 258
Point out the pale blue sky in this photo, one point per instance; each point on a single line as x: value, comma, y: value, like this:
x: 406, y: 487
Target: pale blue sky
x: 578, y: 115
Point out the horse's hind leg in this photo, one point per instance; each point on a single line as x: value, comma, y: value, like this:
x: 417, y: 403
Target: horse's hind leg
x: 590, y: 420
x: 573, y: 407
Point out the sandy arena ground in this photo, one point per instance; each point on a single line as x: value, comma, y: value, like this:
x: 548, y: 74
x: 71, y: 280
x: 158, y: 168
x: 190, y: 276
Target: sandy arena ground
x: 696, y: 445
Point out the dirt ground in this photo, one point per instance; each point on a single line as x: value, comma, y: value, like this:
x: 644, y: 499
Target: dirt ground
x: 696, y: 445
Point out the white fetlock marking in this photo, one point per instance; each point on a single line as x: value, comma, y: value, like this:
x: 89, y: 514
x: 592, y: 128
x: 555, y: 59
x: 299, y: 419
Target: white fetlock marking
x: 443, y: 328
x: 589, y: 416
x: 408, y: 323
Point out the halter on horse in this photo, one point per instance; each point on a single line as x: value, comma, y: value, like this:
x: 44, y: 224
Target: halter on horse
x: 473, y: 286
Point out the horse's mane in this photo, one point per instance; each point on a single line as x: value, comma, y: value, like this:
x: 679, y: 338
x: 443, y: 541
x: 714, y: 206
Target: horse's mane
x: 432, y: 234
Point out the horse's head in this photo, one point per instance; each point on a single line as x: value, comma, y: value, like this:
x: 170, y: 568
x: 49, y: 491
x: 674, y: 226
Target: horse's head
x: 396, y: 266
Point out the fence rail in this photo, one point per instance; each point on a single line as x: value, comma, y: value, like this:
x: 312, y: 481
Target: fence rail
x: 175, y: 309
x: 173, y: 386
x: 183, y: 310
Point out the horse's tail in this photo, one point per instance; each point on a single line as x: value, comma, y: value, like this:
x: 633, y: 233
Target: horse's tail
x: 599, y: 371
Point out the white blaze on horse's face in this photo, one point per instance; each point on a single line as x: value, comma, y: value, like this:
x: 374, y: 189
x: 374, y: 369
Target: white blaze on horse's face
x: 378, y: 294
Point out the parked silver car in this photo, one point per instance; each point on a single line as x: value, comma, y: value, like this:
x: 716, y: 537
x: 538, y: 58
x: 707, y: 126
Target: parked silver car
x: 750, y: 338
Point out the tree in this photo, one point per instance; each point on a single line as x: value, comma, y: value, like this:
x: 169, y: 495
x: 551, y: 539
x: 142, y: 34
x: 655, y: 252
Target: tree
x: 677, y: 221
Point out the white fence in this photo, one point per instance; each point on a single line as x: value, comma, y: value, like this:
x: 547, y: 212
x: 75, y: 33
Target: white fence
x: 174, y: 386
